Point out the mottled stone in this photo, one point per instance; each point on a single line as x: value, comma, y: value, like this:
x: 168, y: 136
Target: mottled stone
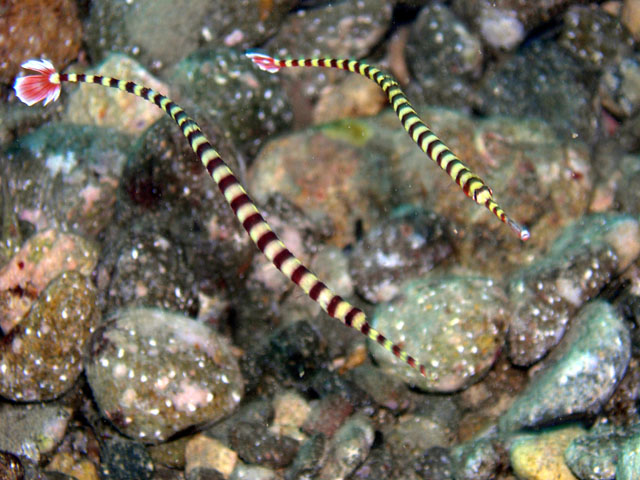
x: 122, y: 459
x: 29, y: 29
x: 594, y: 36
x: 146, y: 269
x: 161, y: 32
x: 581, y: 261
x: 476, y: 460
x: 543, y: 81
x: 203, y: 452
x: 32, y: 430
x: 78, y: 468
x: 540, y: 456
x: 42, y: 357
x: 581, y: 374
x: 348, y: 448
x: 594, y: 456
x: 620, y: 87
x: 407, y: 245
x: 257, y: 444
x: 196, y: 381
x: 433, y: 464
x: 108, y: 107
x: 66, y: 176
x: 443, y: 57
x: 629, y: 463
x: 309, y: 459
x: 335, y: 29
x: 10, y: 467
x: 453, y: 324
x: 251, y: 104
x: 253, y: 472
x: 414, y: 434
x: 43, y: 257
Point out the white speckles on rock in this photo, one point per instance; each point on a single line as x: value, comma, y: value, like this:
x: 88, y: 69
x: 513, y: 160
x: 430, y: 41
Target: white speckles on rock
x: 455, y: 325
x: 191, y: 378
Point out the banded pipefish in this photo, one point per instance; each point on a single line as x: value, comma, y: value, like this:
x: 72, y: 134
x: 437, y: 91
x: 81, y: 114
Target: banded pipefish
x: 46, y: 86
x: 470, y: 183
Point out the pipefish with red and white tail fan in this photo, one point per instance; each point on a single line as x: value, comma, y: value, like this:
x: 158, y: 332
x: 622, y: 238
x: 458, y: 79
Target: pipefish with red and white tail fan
x: 470, y: 183
x: 46, y: 85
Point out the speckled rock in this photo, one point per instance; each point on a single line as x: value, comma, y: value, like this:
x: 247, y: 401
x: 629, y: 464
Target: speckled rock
x: 407, y: 245
x: 542, y: 81
x: 43, y: 257
x: 29, y: 28
x: 582, y: 260
x: 257, y: 444
x: 443, y: 57
x: 540, y: 456
x: 415, y: 433
x: 161, y: 32
x: 594, y: 36
x: 503, y: 23
x: 32, y: 430
x: 620, y: 87
x: 348, y: 448
x: 146, y: 269
x: 594, y: 456
x: 333, y: 29
x: 198, y: 379
x: 453, y: 324
x: 581, y: 374
x: 41, y: 358
x: 434, y: 464
x: 66, y: 177
x: 629, y: 462
x: 476, y: 460
x: 169, y: 191
x: 123, y: 459
x: 248, y: 103
x: 108, y: 107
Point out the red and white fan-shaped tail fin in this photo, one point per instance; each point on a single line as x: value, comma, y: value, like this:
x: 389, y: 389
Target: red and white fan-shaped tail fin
x: 43, y: 86
x: 264, y: 61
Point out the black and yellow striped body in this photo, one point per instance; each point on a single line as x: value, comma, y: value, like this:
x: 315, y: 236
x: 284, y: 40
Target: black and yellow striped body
x: 470, y: 183
x: 250, y: 217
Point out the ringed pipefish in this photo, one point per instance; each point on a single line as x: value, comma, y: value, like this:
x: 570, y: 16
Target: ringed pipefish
x: 45, y: 86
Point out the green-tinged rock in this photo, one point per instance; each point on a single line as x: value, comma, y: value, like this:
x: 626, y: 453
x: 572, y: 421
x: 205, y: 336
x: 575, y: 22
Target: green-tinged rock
x: 546, y: 295
x: 581, y: 373
x: 453, y: 324
x: 628, y: 467
x: 594, y: 456
x: 155, y: 373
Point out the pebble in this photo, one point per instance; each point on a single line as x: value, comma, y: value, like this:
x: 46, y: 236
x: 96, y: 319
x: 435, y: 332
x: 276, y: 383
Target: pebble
x: 454, y: 324
x: 30, y: 33
x: 197, y: 381
x: 43, y: 257
x: 206, y: 453
x: 582, y: 260
x: 581, y: 374
x: 406, y: 245
x: 540, y: 456
x: 32, y: 430
x: 348, y: 448
x: 42, y: 357
x: 595, y: 455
